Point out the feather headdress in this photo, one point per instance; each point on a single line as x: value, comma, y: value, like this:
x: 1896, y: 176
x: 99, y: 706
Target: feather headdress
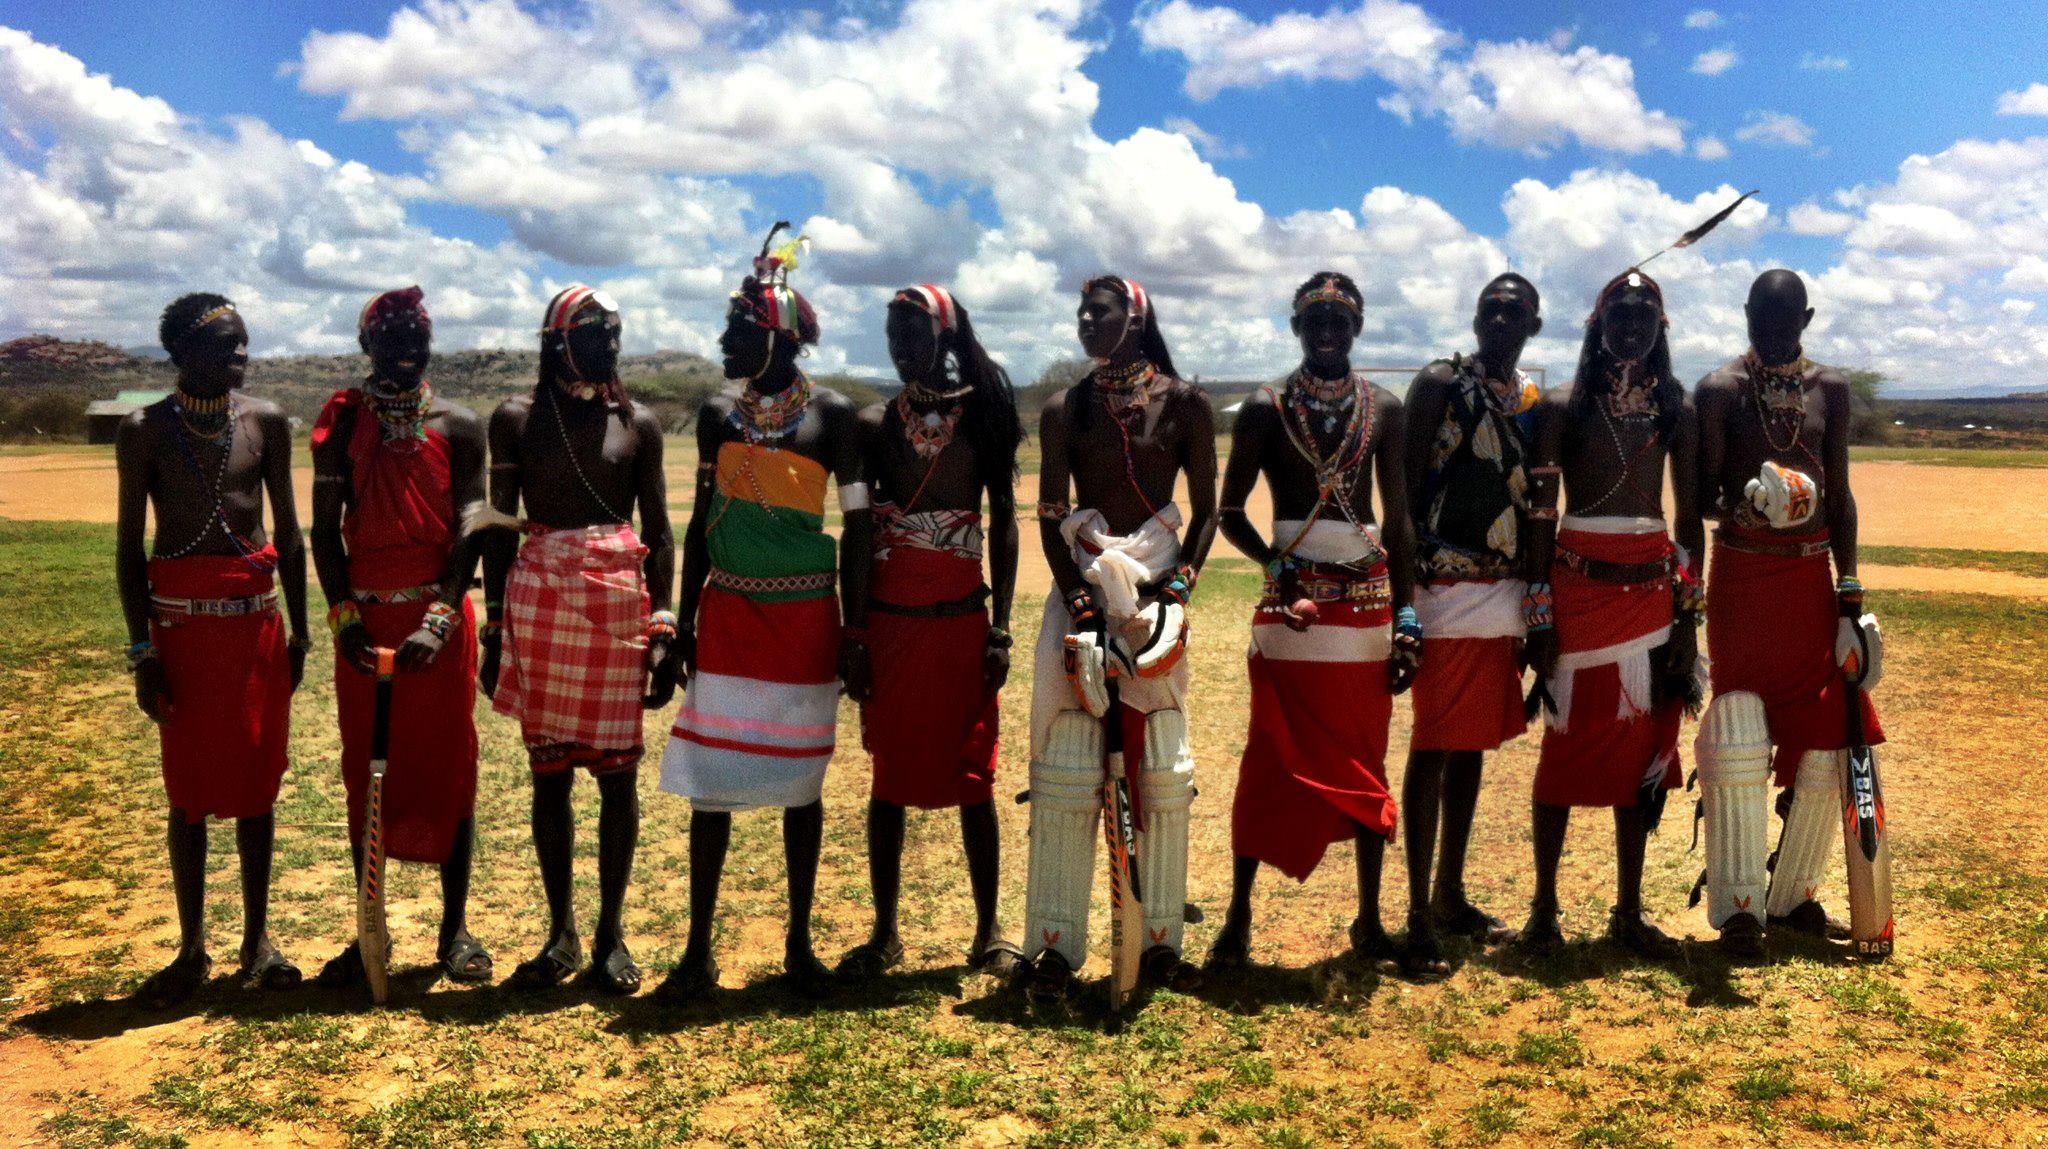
x: 1635, y: 276
x: 766, y: 298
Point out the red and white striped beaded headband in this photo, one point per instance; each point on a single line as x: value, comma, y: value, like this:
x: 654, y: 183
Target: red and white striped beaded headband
x: 936, y: 302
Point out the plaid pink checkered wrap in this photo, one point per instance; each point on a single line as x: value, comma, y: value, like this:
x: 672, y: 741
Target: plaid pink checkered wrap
x: 575, y: 652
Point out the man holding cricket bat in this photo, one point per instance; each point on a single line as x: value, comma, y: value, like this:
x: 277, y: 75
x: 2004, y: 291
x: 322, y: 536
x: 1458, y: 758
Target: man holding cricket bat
x: 1109, y: 679
x: 393, y: 467
x: 1791, y: 654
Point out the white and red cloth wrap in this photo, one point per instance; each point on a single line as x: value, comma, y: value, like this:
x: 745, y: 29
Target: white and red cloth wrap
x: 1315, y: 760
x: 1606, y: 734
x: 575, y: 646
x: 1468, y: 690
x: 1115, y: 566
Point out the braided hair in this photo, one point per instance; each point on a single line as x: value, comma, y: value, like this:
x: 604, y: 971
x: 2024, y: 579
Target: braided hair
x: 1596, y: 367
x: 989, y: 411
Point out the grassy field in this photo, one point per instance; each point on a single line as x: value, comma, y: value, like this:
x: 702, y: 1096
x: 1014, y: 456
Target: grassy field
x: 1952, y: 456
x: 2033, y: 564
x: 1947, y: 1044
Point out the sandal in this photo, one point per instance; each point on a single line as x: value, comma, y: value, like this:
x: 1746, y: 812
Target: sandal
x: 1542, y: 936
x: 868, y: 961
x: 1641, y: 935
x: 1742, y: 937
x: 554, y: 965
x: 271, y: 970
x: 998, y: 959
x: 465, y: 960
x: 1422, y: 958
x: 614, y: 972
x: 1231, y: 952
x: 1466, y: 920
x: 809, y: 977
x: 687, y: 983
x: 174, y: 983
x: 342, y: 971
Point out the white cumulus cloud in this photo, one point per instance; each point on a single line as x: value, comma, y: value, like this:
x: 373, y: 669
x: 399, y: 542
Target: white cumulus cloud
x: 1779, y: 128
x: 1702, y: 18
x: 1715, y: 61
x: 2032, y: 101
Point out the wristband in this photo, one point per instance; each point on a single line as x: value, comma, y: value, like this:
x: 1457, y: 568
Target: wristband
x: 1536, y: 607
x: 1407, y: 625
x: 140, y: 653
x: 1081, y: 605
x: 439, y: 620
x: 853, y: 497
x: 661, y: 626
x: 343, y: 615
x: 1181, y: 586
x: 999, y: 639
x: 1849, y: 592
x: 490, y: 632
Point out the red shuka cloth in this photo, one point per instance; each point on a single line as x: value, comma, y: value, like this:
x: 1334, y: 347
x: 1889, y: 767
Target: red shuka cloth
x: 1315, y: 760
x: 1601, y: 758
x: 231, y: 688
x: 1467, y: 695
x: 401, y: 532
x: 931, y: 721
x: 1771, y: 624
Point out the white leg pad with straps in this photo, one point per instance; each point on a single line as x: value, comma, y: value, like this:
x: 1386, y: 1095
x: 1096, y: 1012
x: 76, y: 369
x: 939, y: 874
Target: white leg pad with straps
x: 1734, y: 754
x: 1812, y: 827
x: 1066, y: 798
x: 1167, y: 781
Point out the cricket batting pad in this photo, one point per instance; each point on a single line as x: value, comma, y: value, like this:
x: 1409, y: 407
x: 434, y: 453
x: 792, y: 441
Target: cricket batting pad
x: 1167, y: 782
x: 1808, y: 844
x: 1734, y: 754
x: 1066, y: 784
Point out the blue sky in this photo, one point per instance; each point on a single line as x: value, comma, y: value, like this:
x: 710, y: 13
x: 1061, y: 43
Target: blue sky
x: 1012, y: 147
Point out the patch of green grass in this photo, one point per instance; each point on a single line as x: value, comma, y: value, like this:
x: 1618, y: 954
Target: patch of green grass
x: 1557, y: 1049
x: 1952, y: 456
x: 1765, y: 1083
x: 2033, y: 564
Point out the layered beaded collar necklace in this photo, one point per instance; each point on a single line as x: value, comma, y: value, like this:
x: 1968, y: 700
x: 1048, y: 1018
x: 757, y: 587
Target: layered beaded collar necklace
x: 1780, y: 396
x: 768, y: 419
x: 1631, y: 391
x: 205, y: 419
x: 1129, y: 389
x: 930, y: 432
x: 402, y: 415
x: 209, y: 421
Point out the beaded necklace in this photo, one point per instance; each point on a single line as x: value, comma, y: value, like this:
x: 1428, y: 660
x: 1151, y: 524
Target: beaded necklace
x: 930, y: 433
x: 1126, y: 392
x: 403, y: 416
x: 1331, y: 470
x: 770, y: 418
x: 1639, y: 406
x: 562, y: 425
x: 186, y: 434
x: 1780, y: 397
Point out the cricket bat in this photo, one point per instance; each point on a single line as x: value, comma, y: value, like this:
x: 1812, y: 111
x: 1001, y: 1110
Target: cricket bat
x: 373, y: 933
x: 1126, y: 898
x: 1865, y: 841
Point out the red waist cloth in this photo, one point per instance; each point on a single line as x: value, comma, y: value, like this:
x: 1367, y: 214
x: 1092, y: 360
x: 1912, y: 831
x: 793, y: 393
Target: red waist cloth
x: 1467, y: 695
x: 231, y: 688
x: 430, y: 776
x: 1611, y: 735
x: 1315, y: 760
x: 1771, y: 630
x: 930, y: 722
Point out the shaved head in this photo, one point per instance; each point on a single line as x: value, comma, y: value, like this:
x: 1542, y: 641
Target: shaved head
x: 1778, y: 315
x: 1778, y: 289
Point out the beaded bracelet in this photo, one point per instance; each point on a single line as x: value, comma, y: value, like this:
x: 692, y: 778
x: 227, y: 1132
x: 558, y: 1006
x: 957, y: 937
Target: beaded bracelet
x: 1407, y: 624
x: 140, y: 653
x: 999, y: 639
x: 1849, y: 593
x: 661, y: 625
x: 490, y: 631
x: 1536, y: 607
x: 1181, y: 587
x: 1081, y: 605
x: 343, y: 615
x: 439, y: 620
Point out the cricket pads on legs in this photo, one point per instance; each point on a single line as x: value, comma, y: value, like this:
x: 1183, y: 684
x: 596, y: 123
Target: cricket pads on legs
x: 1167, y: 782
x: 1811, y: 827
x: 1066, y: 785
x: 1734, y: 754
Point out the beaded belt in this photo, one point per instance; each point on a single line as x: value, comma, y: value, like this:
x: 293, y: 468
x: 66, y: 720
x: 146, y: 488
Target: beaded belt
x: 403, y: 594
x: 212, y: 607
x: 1751, y: 546
x: 771, y: 584
x: 1368, y: 591
x: 1629, y: 574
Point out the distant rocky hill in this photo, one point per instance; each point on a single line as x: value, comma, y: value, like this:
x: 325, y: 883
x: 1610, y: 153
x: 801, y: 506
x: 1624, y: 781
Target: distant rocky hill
x: 45, y: 382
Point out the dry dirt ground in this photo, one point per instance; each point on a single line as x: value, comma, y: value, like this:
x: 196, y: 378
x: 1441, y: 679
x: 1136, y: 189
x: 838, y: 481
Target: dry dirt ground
x: 1946, y: 1044
x: 1899, y: 504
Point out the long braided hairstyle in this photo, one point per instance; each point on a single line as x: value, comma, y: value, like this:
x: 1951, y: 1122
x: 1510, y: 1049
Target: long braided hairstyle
x: 1151, y: 347
x: 1596, y: 367
x: 988, y: 415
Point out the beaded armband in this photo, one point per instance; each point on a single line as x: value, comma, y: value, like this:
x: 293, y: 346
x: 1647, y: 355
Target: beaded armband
x: 439, y: 620
x: 661, y: 626
x: 1536, y: 608
x: 343, y: 615
x: 1055, y: 512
